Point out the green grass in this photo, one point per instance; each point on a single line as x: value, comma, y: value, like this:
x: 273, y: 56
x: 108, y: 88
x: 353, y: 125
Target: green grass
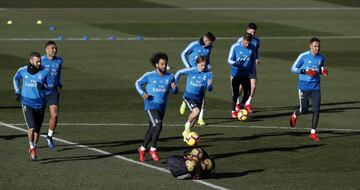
x: 99, y: 76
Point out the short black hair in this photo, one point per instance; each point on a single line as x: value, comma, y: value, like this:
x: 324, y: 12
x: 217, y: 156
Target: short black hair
x: 251, y: 25
x: 247, y: 37
x: 157, y: 56
x: 314, y: 39
x: 49, y: 43
x: 211, y: 36
x: 201, y: 58
x: 34, y: 54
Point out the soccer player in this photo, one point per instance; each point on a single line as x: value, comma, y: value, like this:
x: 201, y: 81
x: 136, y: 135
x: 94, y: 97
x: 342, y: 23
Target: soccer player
x: 53, y: 63
x: 251, y: 29
x: 199, y: 80
x: 241, y: 59
x: 34, y: 80
x: 203, y: 46
x: 158, y: 84
x: 309, y: 66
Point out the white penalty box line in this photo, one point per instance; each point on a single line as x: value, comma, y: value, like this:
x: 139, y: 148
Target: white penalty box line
x: 213, y: 186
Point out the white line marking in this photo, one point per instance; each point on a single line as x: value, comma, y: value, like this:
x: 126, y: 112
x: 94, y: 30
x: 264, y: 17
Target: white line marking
x: 175, y: 38
x: 115, y: 156
x: 192, y: 9
x: 182, y: 125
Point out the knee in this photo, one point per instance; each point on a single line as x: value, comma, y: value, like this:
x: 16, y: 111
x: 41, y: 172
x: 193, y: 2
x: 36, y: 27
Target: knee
x: 196, y: 111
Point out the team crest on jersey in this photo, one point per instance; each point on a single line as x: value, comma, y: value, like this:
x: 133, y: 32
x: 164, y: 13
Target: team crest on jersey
x: 193, y: 77
x: 26, y: 76
x: 309, y: 61
x: 204, y: 78
x: 40, y: 76
x: 154, y: 81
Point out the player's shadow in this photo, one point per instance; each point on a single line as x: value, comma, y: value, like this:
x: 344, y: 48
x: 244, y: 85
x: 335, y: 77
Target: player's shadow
x: 265, y: 150
x: 223, y: 175
x: 10, y: 107
x: 11, y: 137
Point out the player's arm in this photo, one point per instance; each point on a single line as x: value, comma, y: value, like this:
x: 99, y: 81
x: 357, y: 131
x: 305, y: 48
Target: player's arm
x: 209, y: 66
x: 173, y: 85
x: 210, y: 82
x: 139, y: 83
x: 232, y: 59
x: 184, y: 54
x: 181, y: 72
x: 257, y: 59
x: 60, y: 85
x: 16, y: 83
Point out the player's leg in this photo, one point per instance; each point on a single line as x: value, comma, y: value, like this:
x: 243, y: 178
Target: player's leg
x: 30, y: 123
x: 238, y: 106
x: 315, y: 100
x: 245, y: 83
x: 192, y: 106
x: 252, y: 93
x: 158, y: 117
x: 182, y: 108
x: 303, y: 107
x: 53, y: 103
x: 235, y: 85
x: 201, y: 115
x: 148, y: 135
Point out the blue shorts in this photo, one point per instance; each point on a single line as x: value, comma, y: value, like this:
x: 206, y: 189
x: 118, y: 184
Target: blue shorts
x: 191, y: 103
x: 252, y: 74
x: 33, y: 117
x: 305, y: 96
x: 53, y: 99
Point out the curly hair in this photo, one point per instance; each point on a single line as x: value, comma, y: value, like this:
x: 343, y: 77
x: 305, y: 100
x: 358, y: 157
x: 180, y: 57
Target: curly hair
x: 157, y: 56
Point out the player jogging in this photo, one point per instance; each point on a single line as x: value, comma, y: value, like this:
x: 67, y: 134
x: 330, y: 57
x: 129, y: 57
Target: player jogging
x: 241, y: 59
x: 157, y: 84
x: 198, y: 81
x: 203, y: 47
x: 53, y: 63
x: 309, y: 66
x: 34, y: 80
x: 255, y: 42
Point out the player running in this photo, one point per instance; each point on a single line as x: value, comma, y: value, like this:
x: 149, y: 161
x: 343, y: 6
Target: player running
x: 241, y: 59
x: 34, y: 80
x: 203, y: 46
x: 199, y: 80
x: 309, y: 66
x: 53, y: 63
x: 255, y: 42
x: 158, y: 84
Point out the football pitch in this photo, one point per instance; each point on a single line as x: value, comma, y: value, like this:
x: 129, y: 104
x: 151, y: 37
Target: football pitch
x: 102, y: 122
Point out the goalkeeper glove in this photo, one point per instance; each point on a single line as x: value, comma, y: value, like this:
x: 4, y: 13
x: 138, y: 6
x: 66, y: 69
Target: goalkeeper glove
x: 310, y: 72
x: 324, y: 72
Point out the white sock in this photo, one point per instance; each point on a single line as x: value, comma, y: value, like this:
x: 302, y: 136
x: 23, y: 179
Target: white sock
x: 31, y: 145
x: 238, y: 101
x: 313, y: 131
x: 50, y: 133
x: 248, y: 101
x: 142, y: 148
x: 152, y: 149
x: 201, y: 115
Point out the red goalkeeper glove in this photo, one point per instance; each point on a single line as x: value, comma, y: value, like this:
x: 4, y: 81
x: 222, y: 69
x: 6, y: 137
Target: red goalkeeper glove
x: 324, y: 72
x: 310, y: 72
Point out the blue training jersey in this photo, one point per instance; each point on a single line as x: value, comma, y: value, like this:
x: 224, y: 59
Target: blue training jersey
x: 197, y: 82
x: 193, y: 51
x: 157, y: 87
x: 307, y: 61
x: 30, y: 95
x: 255, y: 42
x: 54, y: 66
x: 241, y: 59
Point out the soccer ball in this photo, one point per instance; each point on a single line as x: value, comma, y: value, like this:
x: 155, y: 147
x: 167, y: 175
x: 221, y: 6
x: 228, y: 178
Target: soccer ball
x: 190, y: 165
x: 242, y: 114
x: 207, y: 164
x: 197, y: 154
x: 192, y: 139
